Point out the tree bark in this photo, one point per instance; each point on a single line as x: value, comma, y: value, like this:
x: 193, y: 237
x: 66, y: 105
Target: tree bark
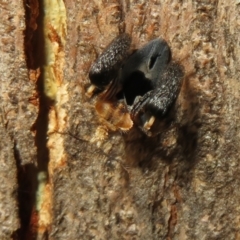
x: 65, y: 175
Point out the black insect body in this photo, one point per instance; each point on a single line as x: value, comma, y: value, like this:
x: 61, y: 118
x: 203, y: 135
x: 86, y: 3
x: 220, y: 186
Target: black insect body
x: 156, y: 103
x: 107, y: 65
x: 138, y: 88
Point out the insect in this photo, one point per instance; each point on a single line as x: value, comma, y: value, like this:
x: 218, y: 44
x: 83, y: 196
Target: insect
x: 135, y: 87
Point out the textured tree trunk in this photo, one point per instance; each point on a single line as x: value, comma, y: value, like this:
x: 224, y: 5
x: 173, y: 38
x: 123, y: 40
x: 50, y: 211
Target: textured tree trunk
x: 65, y: 175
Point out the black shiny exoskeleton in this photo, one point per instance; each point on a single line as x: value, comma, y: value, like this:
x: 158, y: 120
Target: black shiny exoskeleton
x: 146, y: 79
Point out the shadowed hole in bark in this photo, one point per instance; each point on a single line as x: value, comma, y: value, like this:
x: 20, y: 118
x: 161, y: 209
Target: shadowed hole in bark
x: 27, y: 187
x: 135, y: 85
x: 28, y: 174
x: 31, y: 36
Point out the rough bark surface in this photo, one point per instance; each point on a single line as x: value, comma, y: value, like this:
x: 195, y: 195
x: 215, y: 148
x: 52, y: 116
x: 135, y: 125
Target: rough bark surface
x: 8, y: 188
x: 18, y: 115
x: 98, y: 184
x: 181, y: 184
